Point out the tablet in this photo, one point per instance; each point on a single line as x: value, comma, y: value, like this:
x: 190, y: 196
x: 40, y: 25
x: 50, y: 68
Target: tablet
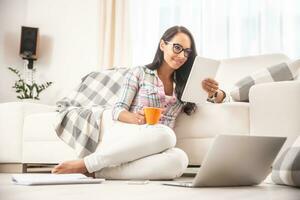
x: 202, y: 68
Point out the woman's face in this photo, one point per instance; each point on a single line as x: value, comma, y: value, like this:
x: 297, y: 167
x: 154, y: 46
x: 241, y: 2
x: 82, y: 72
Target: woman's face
x: 177, y: 50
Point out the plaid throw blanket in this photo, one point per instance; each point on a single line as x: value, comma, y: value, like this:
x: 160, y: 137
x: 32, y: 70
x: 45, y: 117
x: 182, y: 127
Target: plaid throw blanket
x: 79, y: 117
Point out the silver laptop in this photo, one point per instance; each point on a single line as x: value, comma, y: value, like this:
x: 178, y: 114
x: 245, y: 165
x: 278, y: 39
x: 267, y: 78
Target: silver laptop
x: 236, y: 160
x: 202, y: 68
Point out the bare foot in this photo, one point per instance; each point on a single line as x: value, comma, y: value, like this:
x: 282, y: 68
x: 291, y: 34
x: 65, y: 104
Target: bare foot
x: 73, y: 166
x: 90, y: 174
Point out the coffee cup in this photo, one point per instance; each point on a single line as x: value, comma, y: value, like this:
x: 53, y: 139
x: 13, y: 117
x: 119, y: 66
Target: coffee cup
x: 152, y: 115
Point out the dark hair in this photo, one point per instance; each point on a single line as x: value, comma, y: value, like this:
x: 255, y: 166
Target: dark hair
x: 180, y: 75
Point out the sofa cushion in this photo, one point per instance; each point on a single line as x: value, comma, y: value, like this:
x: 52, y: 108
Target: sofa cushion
x: 11, y: 125
x: 40, y: 142
x: 280, y: 72
x: 286, y: 170
x: 40, y: 127
x: 38, y: 133
x: 233, y: 69
x: 212, y: 119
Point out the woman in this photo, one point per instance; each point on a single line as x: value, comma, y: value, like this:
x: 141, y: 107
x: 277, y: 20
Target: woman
x: 130, y: 150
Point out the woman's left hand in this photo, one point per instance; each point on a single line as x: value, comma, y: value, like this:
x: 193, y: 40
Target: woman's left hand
x: 211, y: 86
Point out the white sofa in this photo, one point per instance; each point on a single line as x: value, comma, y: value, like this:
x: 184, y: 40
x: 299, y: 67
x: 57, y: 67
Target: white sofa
x: 27, y: 134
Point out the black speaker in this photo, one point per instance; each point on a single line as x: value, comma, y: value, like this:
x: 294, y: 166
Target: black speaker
x: 29, y: 39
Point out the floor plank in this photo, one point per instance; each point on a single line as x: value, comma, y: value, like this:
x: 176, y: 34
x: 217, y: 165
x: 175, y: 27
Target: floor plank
x: 153, y: 190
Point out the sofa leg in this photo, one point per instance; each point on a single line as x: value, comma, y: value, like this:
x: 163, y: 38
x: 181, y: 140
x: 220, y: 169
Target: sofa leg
x: 37, y: 167
x: 191, y: 170
x: 24, y: 168
x: 11, y: 168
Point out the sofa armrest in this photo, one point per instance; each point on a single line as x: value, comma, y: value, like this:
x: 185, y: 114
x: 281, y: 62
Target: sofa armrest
x: 275, y: 109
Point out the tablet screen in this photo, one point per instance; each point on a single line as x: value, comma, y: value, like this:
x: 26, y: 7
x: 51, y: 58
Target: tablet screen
x: 202, y: 68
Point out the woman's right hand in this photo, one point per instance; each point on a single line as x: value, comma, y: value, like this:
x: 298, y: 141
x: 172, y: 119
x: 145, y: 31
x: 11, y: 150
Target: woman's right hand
x: 211, y: 86
x: 139, y: 117
x: 132, y: 118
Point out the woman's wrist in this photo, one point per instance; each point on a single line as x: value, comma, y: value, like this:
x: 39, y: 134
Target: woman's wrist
x: 220, y: 96
x: 217, y: 97
x: 125, y: 116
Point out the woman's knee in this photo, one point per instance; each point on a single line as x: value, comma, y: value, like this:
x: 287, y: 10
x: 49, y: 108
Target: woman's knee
x: 163, y: 135
x: 178, y: 162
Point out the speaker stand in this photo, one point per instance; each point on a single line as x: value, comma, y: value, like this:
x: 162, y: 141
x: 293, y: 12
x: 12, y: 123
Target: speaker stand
x: 29, y: 71
x: 30, y: 62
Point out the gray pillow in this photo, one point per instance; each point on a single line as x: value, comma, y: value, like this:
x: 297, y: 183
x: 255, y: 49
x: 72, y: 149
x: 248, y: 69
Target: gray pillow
x: 286, y: 170
x: 281, y: 72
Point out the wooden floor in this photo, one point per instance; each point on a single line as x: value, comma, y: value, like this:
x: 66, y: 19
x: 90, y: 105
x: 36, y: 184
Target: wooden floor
x: 152, y: 190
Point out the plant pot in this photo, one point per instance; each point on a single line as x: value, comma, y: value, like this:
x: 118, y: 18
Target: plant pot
x: 29, y: 100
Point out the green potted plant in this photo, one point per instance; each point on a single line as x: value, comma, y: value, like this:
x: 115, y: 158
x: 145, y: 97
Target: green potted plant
x: 25, y: 90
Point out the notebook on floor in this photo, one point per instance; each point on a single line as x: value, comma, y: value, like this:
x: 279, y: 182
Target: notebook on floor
x: 52, y: 179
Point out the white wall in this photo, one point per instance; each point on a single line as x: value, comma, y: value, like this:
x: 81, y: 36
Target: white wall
x: 68, y: 43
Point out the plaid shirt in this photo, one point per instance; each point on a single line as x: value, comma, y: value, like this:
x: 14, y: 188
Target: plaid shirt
x: 142, y: 87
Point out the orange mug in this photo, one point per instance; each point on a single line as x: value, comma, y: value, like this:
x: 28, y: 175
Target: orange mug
x: 152, y: 115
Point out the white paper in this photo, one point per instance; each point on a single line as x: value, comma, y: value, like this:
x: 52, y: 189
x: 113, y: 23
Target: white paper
x: 52, y: 179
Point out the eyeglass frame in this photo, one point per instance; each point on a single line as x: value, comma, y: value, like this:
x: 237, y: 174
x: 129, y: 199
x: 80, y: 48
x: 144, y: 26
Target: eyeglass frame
x: 185, y: 51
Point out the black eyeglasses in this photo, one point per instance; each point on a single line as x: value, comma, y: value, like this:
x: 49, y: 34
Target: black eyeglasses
x: 177, y: 48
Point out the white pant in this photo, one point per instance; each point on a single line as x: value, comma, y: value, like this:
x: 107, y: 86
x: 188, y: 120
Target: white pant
x: 130, y: 151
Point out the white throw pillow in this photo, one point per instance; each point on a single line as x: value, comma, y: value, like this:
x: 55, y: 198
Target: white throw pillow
x: 281, y: 72
x: 286, y: 170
